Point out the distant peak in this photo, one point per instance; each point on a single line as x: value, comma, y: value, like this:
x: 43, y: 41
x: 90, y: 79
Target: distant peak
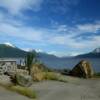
x: 9, y: 44
x: 97, y: 50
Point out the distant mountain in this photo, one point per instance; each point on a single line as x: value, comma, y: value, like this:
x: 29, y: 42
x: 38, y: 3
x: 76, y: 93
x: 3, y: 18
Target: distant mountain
x: 43, y: 55
x: 94, y: 54
x: 97, y: 50
x: 52, y: 61
x: 9, y: 44
x: 9, y: 50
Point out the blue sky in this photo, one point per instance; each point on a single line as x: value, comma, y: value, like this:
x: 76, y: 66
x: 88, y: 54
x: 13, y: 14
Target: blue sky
x: 60, y: 27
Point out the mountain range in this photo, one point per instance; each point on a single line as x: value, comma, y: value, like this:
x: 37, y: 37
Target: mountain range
x: 94, y: 54
x: 10, y: 51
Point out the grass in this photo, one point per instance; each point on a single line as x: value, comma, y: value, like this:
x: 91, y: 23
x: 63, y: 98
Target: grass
x: 40, y: 76
x: 50, y: 76
x: 24, y: 91
x: 20, y: 90
x: 54, y: 76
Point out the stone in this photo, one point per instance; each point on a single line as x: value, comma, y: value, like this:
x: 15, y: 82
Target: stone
x: 22, y: 80
x: 37, y: 72
x: 82, y: 69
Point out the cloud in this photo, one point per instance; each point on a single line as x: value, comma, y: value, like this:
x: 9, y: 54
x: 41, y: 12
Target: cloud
x: 64, y: 53
x: 72, y: 37
x: 94, y: 28
x: 27, y: 33
x: 63, y: 36
x: 17, y: 6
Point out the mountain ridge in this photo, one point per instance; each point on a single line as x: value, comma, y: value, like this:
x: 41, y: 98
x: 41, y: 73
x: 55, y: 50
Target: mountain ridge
x: 11, y: 52
x: 93, y: 54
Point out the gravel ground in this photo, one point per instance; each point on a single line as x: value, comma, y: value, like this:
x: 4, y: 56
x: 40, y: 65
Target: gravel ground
x: 8, y: 95
x: 74, y: 89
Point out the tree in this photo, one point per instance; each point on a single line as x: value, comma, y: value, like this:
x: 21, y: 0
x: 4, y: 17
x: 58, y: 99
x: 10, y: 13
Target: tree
x: 31, y: 57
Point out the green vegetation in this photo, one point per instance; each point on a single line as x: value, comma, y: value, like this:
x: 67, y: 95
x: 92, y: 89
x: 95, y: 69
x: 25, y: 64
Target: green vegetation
x: 21, y: 90
x: 29, y: 60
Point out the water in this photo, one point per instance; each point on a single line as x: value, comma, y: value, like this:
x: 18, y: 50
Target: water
x: 71, y: 62
x: 95, y: 63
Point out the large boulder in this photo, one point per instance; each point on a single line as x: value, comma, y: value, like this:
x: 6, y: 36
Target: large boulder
x: 22, y: 79
x: 37, y: 72
x: 82, y: 69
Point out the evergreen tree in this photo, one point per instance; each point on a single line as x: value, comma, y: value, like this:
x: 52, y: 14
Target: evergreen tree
x: 30, y: 59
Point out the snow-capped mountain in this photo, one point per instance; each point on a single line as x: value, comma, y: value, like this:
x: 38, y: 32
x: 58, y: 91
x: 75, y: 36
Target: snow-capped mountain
x: 93, y: 54
x: 97, y: 50
x: 9, y: 50
x: 9, y: 44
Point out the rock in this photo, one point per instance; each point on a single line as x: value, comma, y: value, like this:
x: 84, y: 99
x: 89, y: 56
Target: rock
x: 23, y: 80
x: 37, y: 72
x: 82, y: 69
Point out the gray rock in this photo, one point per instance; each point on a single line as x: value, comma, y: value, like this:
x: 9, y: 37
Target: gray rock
x: 83, y: 69
x: 23, y: 80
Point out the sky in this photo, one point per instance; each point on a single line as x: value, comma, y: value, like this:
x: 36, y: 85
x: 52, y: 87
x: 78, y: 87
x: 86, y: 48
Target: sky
x: 60, y: 27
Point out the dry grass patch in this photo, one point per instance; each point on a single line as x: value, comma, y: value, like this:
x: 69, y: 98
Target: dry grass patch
x: 24, y: 91
x: 21, y: 90
x: 54, y: 76
x: 51, y: 76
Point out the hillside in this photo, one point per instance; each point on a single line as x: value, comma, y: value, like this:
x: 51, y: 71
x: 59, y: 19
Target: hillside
x: 52, y: 61
x: 11, y: 51
x: 94, y: 54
